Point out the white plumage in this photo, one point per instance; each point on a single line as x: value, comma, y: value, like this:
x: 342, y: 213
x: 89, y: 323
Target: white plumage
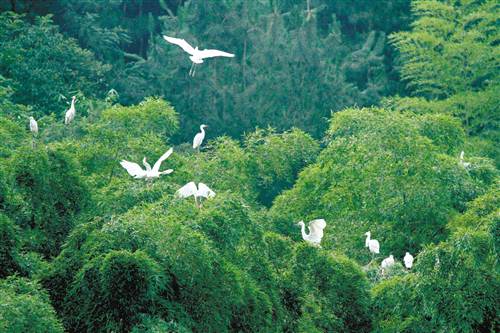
x: 33, y: 126
x: 315, y: 231
x: 70, y: 113
x: 462, y: 162
x: 387, y: 262
x: 190, y: 189
x: 196, y: 55
x: 408, y: 259
x: 136, y: 171
x: 372, y: 244
x: 198, y: 138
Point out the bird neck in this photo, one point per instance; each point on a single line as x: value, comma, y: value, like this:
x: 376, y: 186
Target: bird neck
x: 367, y: 242
x: 202, y: 129
x: 303, y: 230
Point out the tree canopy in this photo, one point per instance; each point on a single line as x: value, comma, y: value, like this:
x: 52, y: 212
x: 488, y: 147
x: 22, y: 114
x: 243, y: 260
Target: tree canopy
x: 377, y: 116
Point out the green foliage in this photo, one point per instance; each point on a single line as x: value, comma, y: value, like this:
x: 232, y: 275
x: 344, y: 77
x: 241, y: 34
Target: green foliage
x: 454, y: 289
x: 66, y: 67
x: 122, y: 133
x: 444, y: 131
x: 276, y: 159
x: 332, y: 291
x: 25, y: 307
x: 451, y: 47
x: 117, y: 254
x: 157, y: 325
x: 12, y: 136
x: 482, y: 214
x: 39, y: 202
x: 378, y: 173
x: 112, y: 290
x: 9, y: 245
x: 476, y: 110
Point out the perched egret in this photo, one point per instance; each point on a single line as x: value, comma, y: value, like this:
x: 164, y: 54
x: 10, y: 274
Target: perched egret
x: 197, y: 55
x: 190, y: 189
x: 315, y: 231
x: 33, y: 126
x: 70, y: 113
x: 462, y: 163
x: 198, y: 138
x: 408, y: 259
x: 137, y: 172
x: 387, y: 262
x: 372, y: 244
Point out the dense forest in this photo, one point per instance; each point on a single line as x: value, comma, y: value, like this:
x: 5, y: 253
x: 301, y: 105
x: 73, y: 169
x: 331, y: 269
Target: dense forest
x: 365, y: 116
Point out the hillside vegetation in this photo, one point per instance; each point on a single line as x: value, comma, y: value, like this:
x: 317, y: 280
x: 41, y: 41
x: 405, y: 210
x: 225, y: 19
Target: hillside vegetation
x: 353, y: 112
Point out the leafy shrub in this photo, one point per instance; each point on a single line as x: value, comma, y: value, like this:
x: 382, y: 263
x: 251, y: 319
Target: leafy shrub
x: 40, y: 203
x: 25, y: 307
x: 454, y: 288
x: 276, y: 159
x: 332, y: 292
x: 66, y: 67
x: 111, y: 291
x: 9, y: 245
x: 377, y: 173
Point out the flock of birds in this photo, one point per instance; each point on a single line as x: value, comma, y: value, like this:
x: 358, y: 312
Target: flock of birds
x: 201, y: 190
x: 316, y: 234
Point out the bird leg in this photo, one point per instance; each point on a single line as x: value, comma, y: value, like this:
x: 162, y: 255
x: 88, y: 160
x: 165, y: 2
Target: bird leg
x: 191, y: 69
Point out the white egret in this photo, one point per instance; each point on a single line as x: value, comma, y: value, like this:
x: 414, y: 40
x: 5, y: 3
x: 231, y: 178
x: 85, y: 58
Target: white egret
x: 70, y: 113
x: 315, y: 231
x: 462, y: 163
x: 190, y: 189
x: 372, y: 244
x: 198, y: 138
x: 137, y: 172
x: 387, y: 262
x: 33, y: 126
x: 196, y: 55
x: 408, y: 259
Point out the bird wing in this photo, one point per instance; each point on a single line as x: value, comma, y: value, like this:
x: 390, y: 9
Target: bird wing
x: 180, y: 42
x: 205, y: 191
x: 163, y: 157
x: 383, y: 264
x: 214, y: 53
x: 198, y: 139
x: 187, y: 190
x: 146, y: 164
x: 375, y: 245
x: 33, y: 125
x: 316, y: 227
x: 133, y: 169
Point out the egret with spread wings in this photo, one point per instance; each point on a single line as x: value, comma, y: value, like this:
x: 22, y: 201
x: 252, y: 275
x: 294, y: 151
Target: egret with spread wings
x: 196, y: 55
x: 315, y: 231
x: 190, y: 189
x: 137, y: 172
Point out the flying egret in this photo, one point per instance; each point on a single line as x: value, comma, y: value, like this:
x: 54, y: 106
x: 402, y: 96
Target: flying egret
x: 408, y: 259
x: 315, y: 231
x: 197, y: 55
x: 190, y: 189
x: 387, y: 262
x: 137, y: 172
x: 462, y: 163
x: 33, y: 126
x: 372, y: 244
x: 198, y: 138
x: 70, y: 113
